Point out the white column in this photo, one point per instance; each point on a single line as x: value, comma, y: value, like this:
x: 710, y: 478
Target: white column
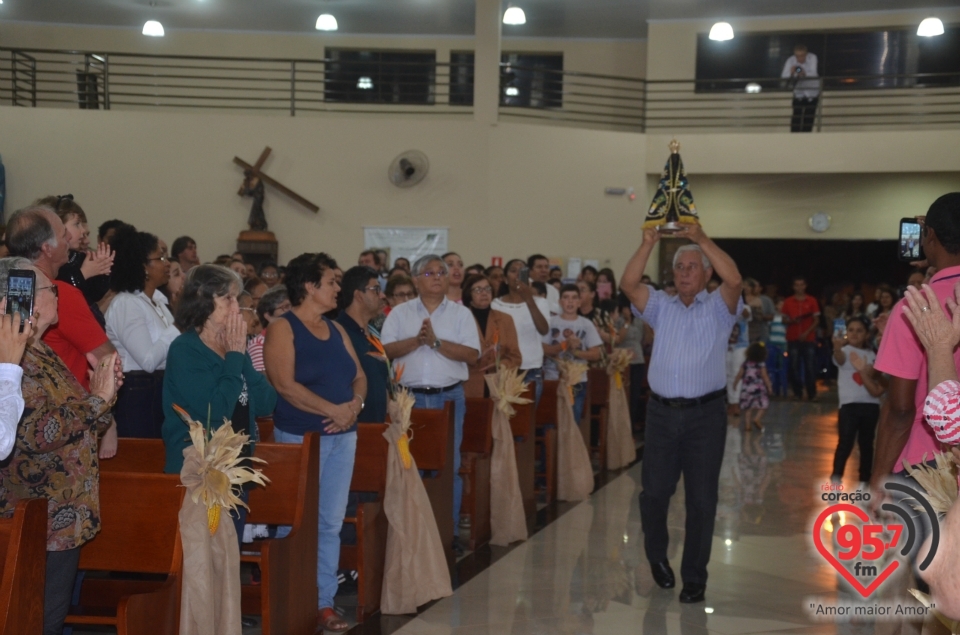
x: 486, y: 62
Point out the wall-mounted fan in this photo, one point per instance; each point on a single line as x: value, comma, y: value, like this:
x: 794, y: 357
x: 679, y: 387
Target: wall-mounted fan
x: 408, y: 168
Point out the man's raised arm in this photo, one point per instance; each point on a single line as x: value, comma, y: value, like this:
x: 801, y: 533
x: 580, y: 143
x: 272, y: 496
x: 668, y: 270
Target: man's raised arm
x: 630, y: 283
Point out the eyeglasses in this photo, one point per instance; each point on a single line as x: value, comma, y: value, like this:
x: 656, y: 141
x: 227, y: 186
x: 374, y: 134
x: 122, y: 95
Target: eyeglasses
x: 161, y: 259
x: 406, y: 295
x: 53, y: 288
x: 434, y: 274
x: 479, y: 290
x: 375, y: 287
x: 691, y: 267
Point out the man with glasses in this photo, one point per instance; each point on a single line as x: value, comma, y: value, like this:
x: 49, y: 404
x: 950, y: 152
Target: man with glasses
x: 359, y: 302
x: 435, y: 339
x: 686, y: 414
x: 37, y: 234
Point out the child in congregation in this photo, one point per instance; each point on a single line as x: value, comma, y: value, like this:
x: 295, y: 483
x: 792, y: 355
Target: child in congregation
x: 860, y: 388
x: 571, y: 336
x: 755, y: 386
x: 776, y: 355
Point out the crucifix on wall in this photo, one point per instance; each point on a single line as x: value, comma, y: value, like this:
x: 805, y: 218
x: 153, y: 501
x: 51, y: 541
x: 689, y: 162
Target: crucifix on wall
x: 258, y: 244
x: 253, y: 186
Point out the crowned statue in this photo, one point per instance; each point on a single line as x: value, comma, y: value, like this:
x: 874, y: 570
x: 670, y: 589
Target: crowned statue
x: 672, y: 206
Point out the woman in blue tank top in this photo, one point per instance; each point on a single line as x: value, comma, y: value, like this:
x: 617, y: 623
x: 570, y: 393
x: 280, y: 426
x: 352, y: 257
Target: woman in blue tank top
x: 321, y: 388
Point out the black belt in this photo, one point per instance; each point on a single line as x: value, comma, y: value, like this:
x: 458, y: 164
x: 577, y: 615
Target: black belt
x: 681, y: 402
x: 434, y: 391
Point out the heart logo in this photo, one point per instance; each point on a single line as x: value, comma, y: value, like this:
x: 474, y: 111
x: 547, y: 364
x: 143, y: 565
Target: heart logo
x: 829, y: 557
x: 857, y: 378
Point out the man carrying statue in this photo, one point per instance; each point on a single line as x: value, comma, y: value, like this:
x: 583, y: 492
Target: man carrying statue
x: 686, y: 414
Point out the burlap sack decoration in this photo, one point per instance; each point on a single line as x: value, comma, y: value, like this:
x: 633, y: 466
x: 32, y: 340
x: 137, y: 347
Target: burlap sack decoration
x: 621, y: 449
x: 415, y: 569
x: 574, y: 471
x: 508, y: 523
x: 212, y: 468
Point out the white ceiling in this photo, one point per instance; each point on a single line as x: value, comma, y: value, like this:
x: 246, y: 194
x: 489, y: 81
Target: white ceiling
x: 606, y: 19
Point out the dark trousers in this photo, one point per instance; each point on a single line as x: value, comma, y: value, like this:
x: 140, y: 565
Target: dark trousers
x: 804, y: 353
x: 58, y: 589
x: 804, y: 112
x: 139, y: 411
x: 857, y: 422
x: 777, y: 369
x: 686, y: 441
x: 638, y: 374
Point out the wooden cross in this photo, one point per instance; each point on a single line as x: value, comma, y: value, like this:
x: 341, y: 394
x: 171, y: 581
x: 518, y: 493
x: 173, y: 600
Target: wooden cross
x: 254, y: 171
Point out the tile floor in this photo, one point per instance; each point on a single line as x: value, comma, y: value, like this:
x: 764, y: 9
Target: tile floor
x: 586, y: 573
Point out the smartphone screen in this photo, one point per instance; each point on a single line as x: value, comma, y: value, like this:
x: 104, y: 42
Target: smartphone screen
x: 839, y: 328
x: 21, y: 286
x: 908, y: 246
x: 524, y: 275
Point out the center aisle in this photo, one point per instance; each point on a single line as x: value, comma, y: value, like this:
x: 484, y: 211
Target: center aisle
x: 586, y: 573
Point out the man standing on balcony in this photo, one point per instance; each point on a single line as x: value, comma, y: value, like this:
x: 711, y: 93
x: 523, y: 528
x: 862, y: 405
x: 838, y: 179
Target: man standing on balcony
x: 801, y: 69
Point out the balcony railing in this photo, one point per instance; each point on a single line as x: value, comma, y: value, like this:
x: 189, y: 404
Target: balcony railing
x: 296, y: 87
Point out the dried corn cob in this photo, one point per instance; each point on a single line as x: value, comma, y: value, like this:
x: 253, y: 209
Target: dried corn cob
x: 213, y: 518
x: 403, y: 446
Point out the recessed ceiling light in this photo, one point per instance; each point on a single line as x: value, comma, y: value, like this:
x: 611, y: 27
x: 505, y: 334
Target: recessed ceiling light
x: 153, y: 28
x: 512, y: 91
x: 753, y: 88
x: 326, y: 22
x: 721, y: 32
x: 365, y: 83
x: 930, y: 27
x: 514, y: 16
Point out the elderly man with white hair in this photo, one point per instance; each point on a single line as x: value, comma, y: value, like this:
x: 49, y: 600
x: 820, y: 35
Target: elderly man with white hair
x: 686, y: 414
x: 435, y: 338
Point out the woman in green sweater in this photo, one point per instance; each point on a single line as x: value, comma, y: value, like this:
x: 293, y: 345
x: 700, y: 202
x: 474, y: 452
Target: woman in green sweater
x: 209, y: 373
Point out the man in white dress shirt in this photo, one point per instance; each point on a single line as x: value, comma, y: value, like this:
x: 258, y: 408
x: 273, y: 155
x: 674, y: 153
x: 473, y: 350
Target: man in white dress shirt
x: 806, y: 92
x: 434, y: 339
x: 539, y: 266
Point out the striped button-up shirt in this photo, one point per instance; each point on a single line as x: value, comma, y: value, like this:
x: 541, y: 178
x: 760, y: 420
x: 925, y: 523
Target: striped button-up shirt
x: 689, y: 344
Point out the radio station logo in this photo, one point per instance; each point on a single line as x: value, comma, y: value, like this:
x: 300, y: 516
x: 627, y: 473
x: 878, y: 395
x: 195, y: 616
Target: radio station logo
x: 866, y: 551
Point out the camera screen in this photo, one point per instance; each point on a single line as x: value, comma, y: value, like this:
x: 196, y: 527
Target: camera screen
x: 20, y: 296
x: 910, y: 240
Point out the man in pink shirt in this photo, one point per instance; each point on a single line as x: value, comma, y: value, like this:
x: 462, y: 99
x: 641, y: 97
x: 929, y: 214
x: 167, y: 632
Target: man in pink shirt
x: 902, y: 434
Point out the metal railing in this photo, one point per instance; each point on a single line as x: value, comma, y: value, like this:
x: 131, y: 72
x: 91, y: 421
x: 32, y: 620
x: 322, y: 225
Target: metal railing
x: 293, y: 87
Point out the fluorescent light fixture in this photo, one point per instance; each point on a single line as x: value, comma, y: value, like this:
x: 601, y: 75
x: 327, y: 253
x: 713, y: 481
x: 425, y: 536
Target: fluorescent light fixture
x: 326, y: 22
x: 930, y: 27
x: 512, y: 91
x: 365, y: 83
x: 708, y: 610
x: 721, y: 32
x: 153, y: 28
x: 753, y: 88
x: 514, y: 16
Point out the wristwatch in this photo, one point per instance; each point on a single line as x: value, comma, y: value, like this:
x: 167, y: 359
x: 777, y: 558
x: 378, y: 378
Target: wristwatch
x: 436, y: 344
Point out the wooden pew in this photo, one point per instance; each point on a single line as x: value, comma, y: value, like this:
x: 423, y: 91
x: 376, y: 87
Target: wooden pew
x: 265, y: 426
x: 286, y: 597
x: 139, y: 534
x: 598, y: 411
x: 476, y: 452
x: 434, y: 454
x: 431, y: 446
x: 367, y: 555
x: 287, y: 565
x: 23, y: 556
x: 546, y: 439
x: 524, y: 439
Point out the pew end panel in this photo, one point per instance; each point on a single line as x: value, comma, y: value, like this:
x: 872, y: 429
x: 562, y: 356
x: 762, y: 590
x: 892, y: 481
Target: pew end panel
x: 546, y: 440
x: 23, y: 553
x: 432, y: 449
x: 139, y: 534
x: 286, y: 597
x: 598, y: 413
x: 524, y: 437
x: 475, y: 464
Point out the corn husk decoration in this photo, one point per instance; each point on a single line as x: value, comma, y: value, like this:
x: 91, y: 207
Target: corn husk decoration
x: 939, y: 483
x: 621, y: 448
x: 215, y: 468
x: 415, y: 567
x: 574, y: 470
x: 212, y: 474
x: 508, y: 521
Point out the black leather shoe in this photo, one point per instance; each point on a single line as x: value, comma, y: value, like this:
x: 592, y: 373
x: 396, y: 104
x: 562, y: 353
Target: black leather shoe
x: 663, y: 574
x: 692, y: 593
